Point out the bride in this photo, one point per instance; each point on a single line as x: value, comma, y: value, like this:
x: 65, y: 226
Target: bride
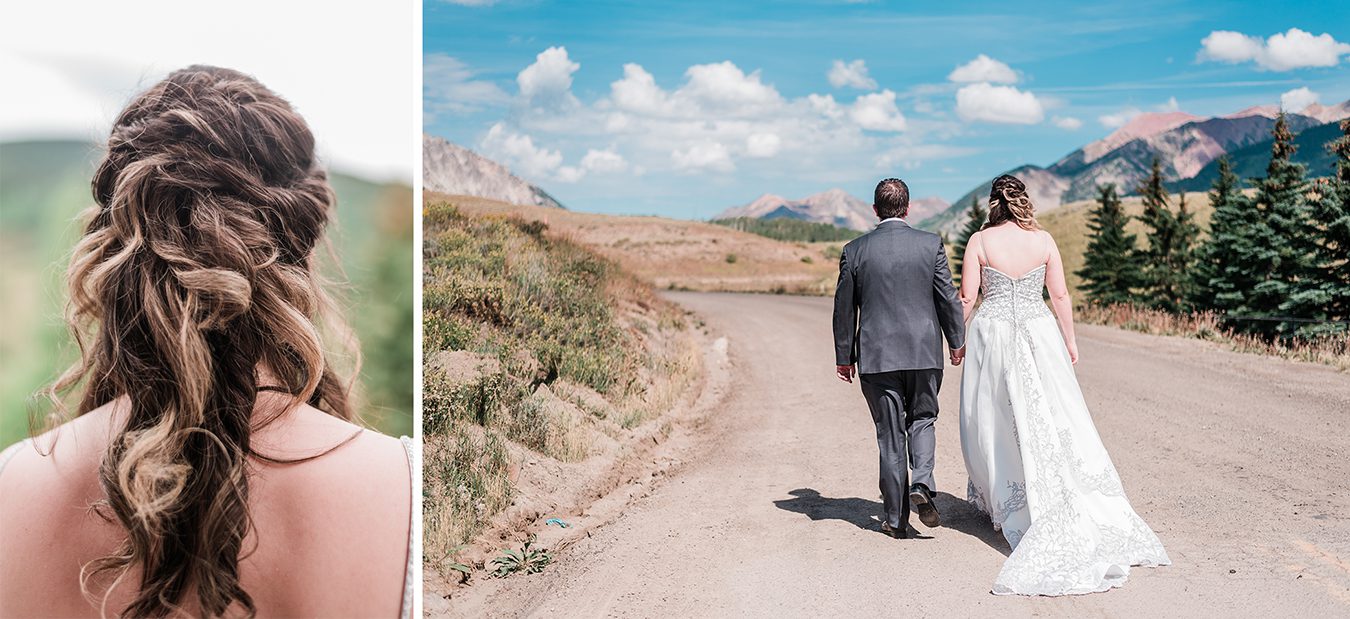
x: 1035, y: 462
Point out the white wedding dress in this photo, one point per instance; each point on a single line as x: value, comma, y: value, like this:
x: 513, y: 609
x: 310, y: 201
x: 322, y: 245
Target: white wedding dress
x: 1035, y: 462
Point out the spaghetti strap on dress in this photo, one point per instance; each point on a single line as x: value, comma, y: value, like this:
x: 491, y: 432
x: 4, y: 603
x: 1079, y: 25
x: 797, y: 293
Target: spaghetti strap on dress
x: 9, y: 452
x: 409, y: 449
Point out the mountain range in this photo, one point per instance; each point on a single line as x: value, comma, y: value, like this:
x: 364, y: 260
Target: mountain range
x: 453, y: 169
x: 1187, y: 146
x: 833, y: 206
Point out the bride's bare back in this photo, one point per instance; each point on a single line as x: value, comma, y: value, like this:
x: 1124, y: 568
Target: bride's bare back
x: 329, y: 536
x: 1016, y: 252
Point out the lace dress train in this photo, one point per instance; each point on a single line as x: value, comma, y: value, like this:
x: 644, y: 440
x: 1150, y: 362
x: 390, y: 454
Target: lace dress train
x: 1035, y: 461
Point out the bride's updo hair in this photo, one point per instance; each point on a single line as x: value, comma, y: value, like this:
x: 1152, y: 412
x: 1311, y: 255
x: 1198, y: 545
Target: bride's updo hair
x: 194, y: 282
x: 1008, y: 201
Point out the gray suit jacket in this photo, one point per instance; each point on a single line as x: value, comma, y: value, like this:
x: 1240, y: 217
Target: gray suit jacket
x: 895, y: 301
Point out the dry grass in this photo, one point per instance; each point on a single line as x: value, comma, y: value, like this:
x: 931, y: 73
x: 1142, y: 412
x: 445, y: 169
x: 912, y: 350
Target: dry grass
x: 681, y: 255
x: 537, y: 348
x: 1332, y: 351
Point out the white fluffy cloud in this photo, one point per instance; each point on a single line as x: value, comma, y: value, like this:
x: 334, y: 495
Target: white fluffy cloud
x: 722, y: 114
x: 983, y: 69
x: 763, y: 145
x: 720, y: 89
x: 449, y: 84
x: 1170, y: 105
x: 603, y: 161
x: 877, y: 112
x: 1297, y: 99
x: 724, y: 85
x: 825, y: 105
x: 710, y: 156
x: 998, y: 104
x: 637, y: 92
x: 717, y: 119
x: 519, y: 152
x: 549, y: 80
x: 853, y: 74
x: 1118, y: 119
x: 1292, y: 49
x: 1067, y: 123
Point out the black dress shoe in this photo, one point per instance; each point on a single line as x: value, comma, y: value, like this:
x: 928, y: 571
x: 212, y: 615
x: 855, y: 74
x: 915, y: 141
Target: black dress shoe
x: 895, y: 533
x: 922, y: 501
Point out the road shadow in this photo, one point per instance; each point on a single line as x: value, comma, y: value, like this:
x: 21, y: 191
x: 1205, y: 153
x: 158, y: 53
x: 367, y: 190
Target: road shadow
x: 959, y: 515
x: 858, y: 512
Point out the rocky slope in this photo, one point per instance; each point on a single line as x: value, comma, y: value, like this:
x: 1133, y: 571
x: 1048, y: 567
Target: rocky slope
x: 453, y: 169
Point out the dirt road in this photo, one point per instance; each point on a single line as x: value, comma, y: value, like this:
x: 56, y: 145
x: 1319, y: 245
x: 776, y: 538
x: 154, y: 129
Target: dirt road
x: 1241, y: 464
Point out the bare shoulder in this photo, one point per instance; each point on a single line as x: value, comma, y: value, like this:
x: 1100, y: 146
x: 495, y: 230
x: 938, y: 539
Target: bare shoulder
x: 1049, y: 238
x: 59, y: 465
x: 353, y: 457
x: 341, y: 521
x: 47, y: 491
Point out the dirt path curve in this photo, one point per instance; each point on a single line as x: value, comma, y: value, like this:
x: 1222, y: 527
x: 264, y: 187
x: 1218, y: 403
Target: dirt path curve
x: 1240, y: 463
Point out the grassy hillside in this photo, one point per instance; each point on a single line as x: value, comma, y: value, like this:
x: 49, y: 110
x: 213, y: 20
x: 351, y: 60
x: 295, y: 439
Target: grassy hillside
x: 680, y: 254
x: 536, y: 349
x: 44, y: 186
x: 785, y: 229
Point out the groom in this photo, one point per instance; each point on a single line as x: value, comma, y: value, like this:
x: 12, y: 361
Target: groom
x: 894, y: 305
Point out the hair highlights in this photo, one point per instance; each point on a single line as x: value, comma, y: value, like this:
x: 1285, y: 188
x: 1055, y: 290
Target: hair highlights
x: 1008, y: 201
x: 194, y: 279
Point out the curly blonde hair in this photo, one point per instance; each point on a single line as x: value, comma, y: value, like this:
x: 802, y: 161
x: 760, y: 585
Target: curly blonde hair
x: 1008, y: 201
x: 195, y: 273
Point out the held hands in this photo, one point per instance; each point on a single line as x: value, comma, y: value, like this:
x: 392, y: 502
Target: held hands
x: 844, y: 372
x: 958, y: 355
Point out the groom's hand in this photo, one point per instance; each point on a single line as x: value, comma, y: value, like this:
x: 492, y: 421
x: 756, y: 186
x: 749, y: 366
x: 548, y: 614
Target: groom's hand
x: 958, y: 355
x: 844, y: 372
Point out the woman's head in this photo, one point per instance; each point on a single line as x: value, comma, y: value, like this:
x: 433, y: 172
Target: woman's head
x: 194, y: 279
x: 1008, y: 201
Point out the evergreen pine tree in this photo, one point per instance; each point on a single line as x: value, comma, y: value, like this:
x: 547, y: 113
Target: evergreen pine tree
x: 1286, y: 251
x: 1188, y: 235
x: 1110, y: 265
x: 976, y: 219
x: 1163, y: 264
x: 1221, y: 280
x: 1326, y: 294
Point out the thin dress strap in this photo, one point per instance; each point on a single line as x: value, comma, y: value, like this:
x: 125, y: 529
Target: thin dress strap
x: 409, y: 448
x: 11, y: 451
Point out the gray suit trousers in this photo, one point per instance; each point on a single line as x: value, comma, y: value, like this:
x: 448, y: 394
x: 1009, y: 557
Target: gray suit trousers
x: 904, y: 405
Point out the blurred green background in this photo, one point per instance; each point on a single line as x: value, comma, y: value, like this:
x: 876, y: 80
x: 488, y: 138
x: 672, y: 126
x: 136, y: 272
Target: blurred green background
x: 45, y: 184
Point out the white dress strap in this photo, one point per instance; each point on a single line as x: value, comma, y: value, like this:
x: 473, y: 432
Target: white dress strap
x: 410, y: 448
x: 9, y: 452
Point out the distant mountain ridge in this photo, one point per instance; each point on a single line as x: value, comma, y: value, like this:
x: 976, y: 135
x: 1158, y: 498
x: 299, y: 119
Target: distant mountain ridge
x: 450, y: 168
x: 833, y: 206
x: 1251, y: 161
x: 1186, y: 145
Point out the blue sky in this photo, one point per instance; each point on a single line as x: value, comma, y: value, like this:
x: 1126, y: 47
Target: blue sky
x: 684, y: 109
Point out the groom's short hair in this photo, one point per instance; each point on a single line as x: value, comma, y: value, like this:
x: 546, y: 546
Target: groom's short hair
x: 891, y: 198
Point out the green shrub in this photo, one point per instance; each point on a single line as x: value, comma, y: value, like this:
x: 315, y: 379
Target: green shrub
x: 785, y: 229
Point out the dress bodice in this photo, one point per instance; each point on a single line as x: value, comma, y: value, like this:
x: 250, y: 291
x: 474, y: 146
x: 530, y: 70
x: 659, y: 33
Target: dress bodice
x: 1013, y: 300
